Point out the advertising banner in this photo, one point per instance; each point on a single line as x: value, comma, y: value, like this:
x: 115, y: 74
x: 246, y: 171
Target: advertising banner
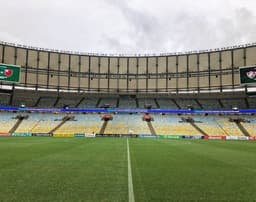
x: 63, y: 135
x: 215, y: 137
x: 148, y: 136
x: 252, y: 138
x: 22, y: 134
x: 10, y: 73
x: 196, y: 137
x: 243, y: 138
x: 175, y: 137
x: 232, y: 137
x: 248, y: 75
x: 79, y: 135
x: 129, y: 135
x: 237, y: 138
x: 42, y: 134
x: 5, y: 134
x: 90, y: 135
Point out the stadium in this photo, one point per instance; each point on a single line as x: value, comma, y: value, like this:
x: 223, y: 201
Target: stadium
x: 73, y: 121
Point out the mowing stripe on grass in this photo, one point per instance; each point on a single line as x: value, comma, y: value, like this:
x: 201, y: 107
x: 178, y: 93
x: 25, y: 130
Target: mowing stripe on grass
x: 130, y: 185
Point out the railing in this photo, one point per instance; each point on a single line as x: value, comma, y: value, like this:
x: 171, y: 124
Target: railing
x: 131, y: 55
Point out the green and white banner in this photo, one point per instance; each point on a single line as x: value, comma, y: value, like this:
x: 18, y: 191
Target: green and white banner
x: 248, y: 75
x: 9, y: 73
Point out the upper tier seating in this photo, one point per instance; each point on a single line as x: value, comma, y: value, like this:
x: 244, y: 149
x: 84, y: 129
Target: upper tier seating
x: 28, y: 101
x: 184, y: 103
x: 47, y: 102
x: 166, y: 103
x: 4, y: 99
x: 89, y: 103
x: 231, y: 103
x: 127, y: 102
x: 109, y: 101
x: 147, y: 101
x: 252, y: 102
x: 210, y: 104
x: 67, y: 102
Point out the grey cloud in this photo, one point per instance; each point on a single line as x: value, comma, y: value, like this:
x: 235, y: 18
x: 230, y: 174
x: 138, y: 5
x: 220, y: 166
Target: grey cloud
x: 237, y: 29
x: 128, y: 26
x: 143, y: 28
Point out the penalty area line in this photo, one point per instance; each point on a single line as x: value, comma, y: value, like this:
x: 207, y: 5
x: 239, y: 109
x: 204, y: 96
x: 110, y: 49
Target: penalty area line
x: 130, y: 184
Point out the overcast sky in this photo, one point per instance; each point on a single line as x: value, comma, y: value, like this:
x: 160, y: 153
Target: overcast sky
x: 128, y: 26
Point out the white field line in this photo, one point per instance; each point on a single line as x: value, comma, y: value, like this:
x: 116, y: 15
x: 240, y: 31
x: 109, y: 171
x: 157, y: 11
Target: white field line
x: 130, y: 184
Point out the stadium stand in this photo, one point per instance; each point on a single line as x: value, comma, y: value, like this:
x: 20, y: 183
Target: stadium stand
x: 250, y: 125
x: 47, y: 102
x: 92, y: 123
x: 66, y: 102
x: 82, y: 123
x: 211, y: 82
x: 210, y: 104
x: 4, y: 99
x: 27, y: 125
x: 7, y: 121
x: 210, y: 125
x: 28, y: 101
x: 127, y: 124
x: 185, y: 103
x: 89, y: 103
x: 166, y: 103
x: 128, y: 102
x: 173, y: 125
x: 229, y: 127
x: 147, y: 101
x: 111, y: 102
x: 44, y: 122
x: 234, y: 103
x: 252, y: 102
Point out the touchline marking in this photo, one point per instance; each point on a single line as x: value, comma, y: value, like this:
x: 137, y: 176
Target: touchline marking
x: 130, y: 185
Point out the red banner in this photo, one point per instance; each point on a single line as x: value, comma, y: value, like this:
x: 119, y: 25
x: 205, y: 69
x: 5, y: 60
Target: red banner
x: 215, y: 137
x: 5, y: 134
x: 252, y: 138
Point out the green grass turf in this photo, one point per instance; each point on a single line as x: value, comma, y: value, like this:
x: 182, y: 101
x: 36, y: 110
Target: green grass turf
x: 63, y: 169
x: 80, y: 169
x: 169, y: 170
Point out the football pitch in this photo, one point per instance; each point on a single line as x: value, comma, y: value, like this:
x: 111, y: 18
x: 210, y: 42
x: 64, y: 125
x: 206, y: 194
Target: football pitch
x: 120, y: 169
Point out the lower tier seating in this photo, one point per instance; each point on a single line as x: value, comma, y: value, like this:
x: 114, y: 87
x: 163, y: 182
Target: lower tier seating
x: 128, y: 124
